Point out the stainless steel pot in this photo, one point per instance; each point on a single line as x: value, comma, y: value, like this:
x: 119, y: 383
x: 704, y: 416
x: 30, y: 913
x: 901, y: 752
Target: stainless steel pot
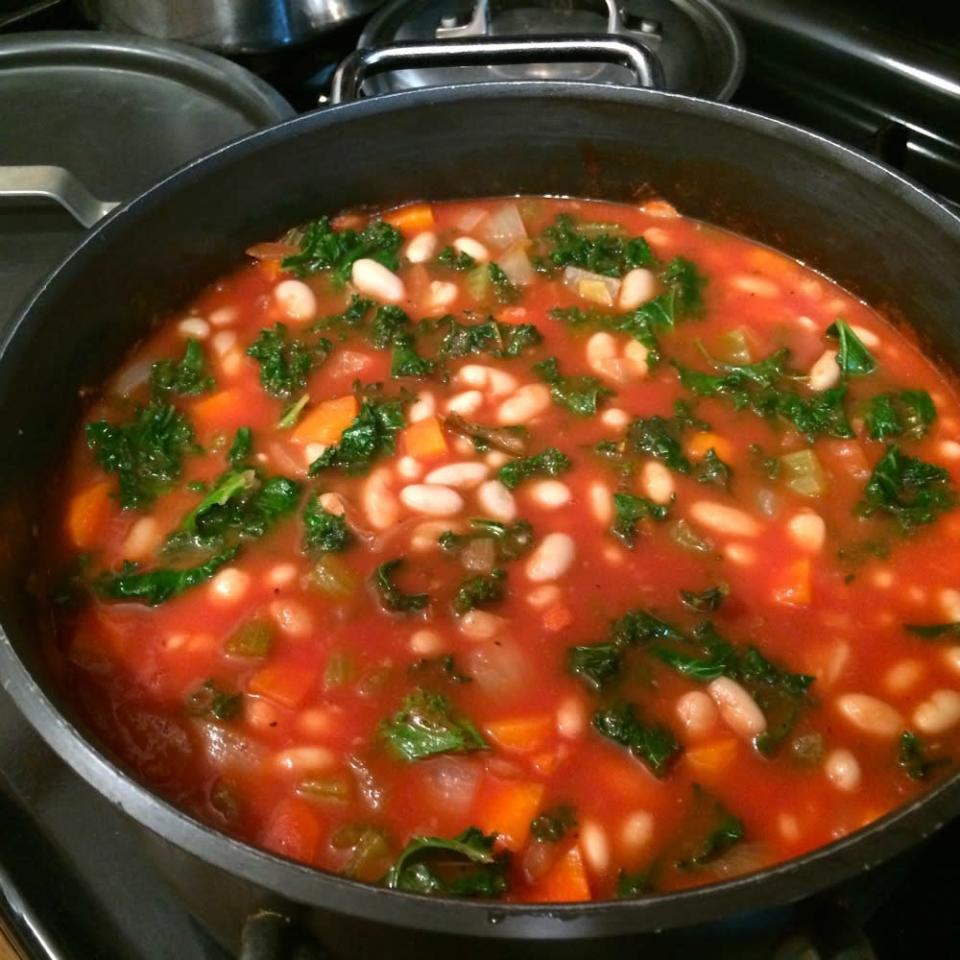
x: 228, y: 26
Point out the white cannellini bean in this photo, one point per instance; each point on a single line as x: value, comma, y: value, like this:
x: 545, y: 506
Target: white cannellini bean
x: 904, y: 675
x: 292, y: 618
x: 842, y: 770
x: 697, y: 712
x: 296, y: 299
x: 425, y: 643
x: 754, y: 285
x: 480, y: 624
x: 741, y: 554
x: 305, y: 759
x: 638, y: 286
x: 550, y: 493
x: 657, y: 481
x: 870, y: 714
x: 312, y: 451
x: 441, y: 294
x: 738, y: 709
x: 472, y: 248
x: 332, y: 503
x: 282, y: 575
x: 825, y: 372
x: 789, y: 827
x: 719, y: 518
x: 868, y: 337
x: 600, y: 347
x: 938, y: 713
x: 637, y: 354
x: 498, y: 382
x: 495, y: 459
x: 421, y: 248
x: 223, y: 341
x: 373, y: 279
x: 636, y: 832
x: 462, y: 476
x: 949, y: 449
x: 544, y: 596
x: 951, y: 657
x: 378, y: 501
x: 551, y: 558
x: 615, y: 417
x: 317, y: 721
x: 465, y: 403
x: 142, y: 539
x: 409, y: 468
x: 223, y: 316
x: 229, y: 585
x: 425, y: 535
x: 572, y: 718
x: 432, y: 499
x: 260, y: 714
x: 950, y: 605
x: 497, y: 501
x: 195, y: 327
x: 601, y: 502
x: 807, y: 530
x: 595, y: 846
x: 423, y: 406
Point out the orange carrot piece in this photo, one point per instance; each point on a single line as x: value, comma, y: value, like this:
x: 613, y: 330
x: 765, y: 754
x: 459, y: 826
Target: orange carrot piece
x: 506, y: 809
x: 521, y: 734
x: 565, y: 881
x: 424, y: 439
x: 557, y: 617
x: 795, y: 589
x: 293, y: 830
x: 287, y: 682
x: 710, y: 759
x: 771, y: 263
x: 701, y: 443
x: 413, y: 218
x: 210, y: 412
x: 87, y: 513
x: 326, y: 422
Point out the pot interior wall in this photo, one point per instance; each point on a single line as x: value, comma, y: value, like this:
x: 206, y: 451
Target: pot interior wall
x: 815, y: 201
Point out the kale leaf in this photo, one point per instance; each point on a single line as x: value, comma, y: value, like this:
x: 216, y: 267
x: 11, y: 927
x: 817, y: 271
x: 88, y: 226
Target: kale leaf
x: 934, y: 631
x: 323, y: 248
x: 186, y: 377
x: 490, y: 336
x: 504, y: 289
x: 156, y: 586
x: 852, y: 356
x: 654, y: 745
x: 372, y: 434
x: 553, y: 825
x: 479, y: 591
x: 707, y: 601
x: 637, y: 324
x: 550, y: 462
x: 913, y: 759
x: 595, y: 663
x: 599, y: 251
x: 241, y: 447
x: 511, y: 540
x: 716, y: 829
x: 285, y: 363
x: 210, y: 701
x: 406, y: 362
x: 425, y: 725
x: 683, y: 297
x: 711, y: 469
x: 907, y: 489
x: 581, y: 395
x: 629, y: 512
x: 512, y: 440
x: 907, y: 414
x: 392, y: 598
x: 455, y: 259
x: 324, y: 532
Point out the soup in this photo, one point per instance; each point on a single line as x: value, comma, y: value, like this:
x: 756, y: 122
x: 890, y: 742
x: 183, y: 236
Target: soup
x: 539, y: 549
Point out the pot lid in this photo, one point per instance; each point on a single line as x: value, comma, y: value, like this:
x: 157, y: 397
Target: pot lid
x: 698, y: 46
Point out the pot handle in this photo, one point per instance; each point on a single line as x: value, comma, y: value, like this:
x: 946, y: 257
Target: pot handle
x: 482, y: 51
x: 55, y: 183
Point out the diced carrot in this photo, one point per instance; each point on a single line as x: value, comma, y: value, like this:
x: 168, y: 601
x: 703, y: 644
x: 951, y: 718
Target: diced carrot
x: 513, y: 315
x: 424, y: 439
x: 564, y: 882
x: 287, y: 682
x: 795, y: 588
x: 506, y: 808
x: 701, y: 443
x: 771, y: 263
x: 293, y: 830
x: 710, y: 759
x: 271, y: 269
x: 87, y: 514
x: 522, y: 734
x: 211, y: 412
x: 326, y: 422
x: 557, y: 617
x: 413, y: 218
x: 545, y: 763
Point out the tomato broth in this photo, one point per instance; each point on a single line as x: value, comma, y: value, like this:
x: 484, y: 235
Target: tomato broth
x: 530, y: 548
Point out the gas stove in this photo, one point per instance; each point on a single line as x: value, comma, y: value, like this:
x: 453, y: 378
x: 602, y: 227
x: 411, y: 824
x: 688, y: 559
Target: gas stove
x: 74, y: 881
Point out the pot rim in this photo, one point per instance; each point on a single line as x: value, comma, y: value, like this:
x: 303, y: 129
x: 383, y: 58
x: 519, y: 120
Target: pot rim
x: 778, y: 885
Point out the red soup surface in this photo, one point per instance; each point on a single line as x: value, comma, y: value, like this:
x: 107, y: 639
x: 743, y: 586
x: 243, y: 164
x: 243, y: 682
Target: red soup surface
x: 539, y: 549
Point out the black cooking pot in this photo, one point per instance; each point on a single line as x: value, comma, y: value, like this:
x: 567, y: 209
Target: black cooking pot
x: 880, y: 236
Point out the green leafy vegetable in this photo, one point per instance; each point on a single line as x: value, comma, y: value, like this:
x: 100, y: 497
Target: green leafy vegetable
x: 637, y: 325
x: 654, y: 745
x: 552, y: 825
x: 907, y: 489
x: 717, y: 827
x: 550, y: 462
x: 631, y: 885
x: 510, y: 540
x: 490, y: 336
x: 455, y: 259
x: 285, y: 362
x: 596, y: 663
x: 389, y: 323
x: 683, y: 297
x: 570, y: 244
x: 462, y: 867
x: 392, y: 598
x: 479, y: 591
x: 291, y: 415
x: 406, y: 362
x: 445, y: 667
x: 210, y: 701
x: 323, y: 248
x: 503, y: 288
x: 908, y: 414
x: 350, y: 320
x: 934, y: 631
x: 658, y: 437
x: 629, y: 512
x: 912, y: 757
x: 241, y: 447
x: 324, y: 532
x: 711, y: 469
x: 853, y: 357
x: 512, y: 440
x: 706, y: 602
x: 581, y: 395
x: 187, y: 377
x: 156, y: 586
x: 146, y: 454
x: 425, y: 725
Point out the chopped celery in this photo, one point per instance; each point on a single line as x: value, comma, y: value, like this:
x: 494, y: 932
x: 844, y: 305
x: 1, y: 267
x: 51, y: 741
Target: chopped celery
x: 732, y: 347
x: 252, y: 639
x: 478, y: 282
x: 683, y: 535
x: 803, y: 473
x: 341, y: 669
x: 331, y: 575
x: 335, y: 788
x: 370, y: 852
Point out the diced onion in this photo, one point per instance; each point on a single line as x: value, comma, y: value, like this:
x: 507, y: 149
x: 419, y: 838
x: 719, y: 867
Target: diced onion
x: 498, y: 670
x: 504, y: 227
x: 516, y: 265
x: 451, y: 782
x: 592, y: 286
x: 479, y: 555
x: 228, y: 750
x: 470, y: 218
x: 803, y: 473
x: 132, y: 377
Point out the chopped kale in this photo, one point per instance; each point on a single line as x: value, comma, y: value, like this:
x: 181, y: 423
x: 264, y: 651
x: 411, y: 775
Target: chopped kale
x: 655, y: 746
x: 146, y: 453
x: 290, y: 416
x: 241, y: 447
x: 683, y: 297
x: 504, y: 289
x: 768, y: 466
x: 285, y: 362
x: 907, y: 414
x: 465, y: 866
x: 371, y: 435
x: 443, y: 667
x: 512, y: 440
x: 156, y: 586
x: 186, y: 378
x: 711, y: 469
x: 455, y: 259
x: 324, y: 532
x: 707, y: 601
x: 629, y: 512
x: 581, y: 395
x: 553, y: 825
x: 550, y: 462
x: 210, y: 701
x: 490, y: 336
x: 323, y: 248
x: 425, y: 725
x: 406, y: 362
x: 596, y: 663
x: 636, y: 324
x: 392, y: 598
x: 715, y: 830
x: 389, y: 323
x: 913, y: 759
x: 852, y: 356
x: 571, y: 244
x: 479, y: 591
x: 511, y: 540
x: 910, y: 491
x: 934, y: 631
x: 659, y: 437
x: 632, y: 885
